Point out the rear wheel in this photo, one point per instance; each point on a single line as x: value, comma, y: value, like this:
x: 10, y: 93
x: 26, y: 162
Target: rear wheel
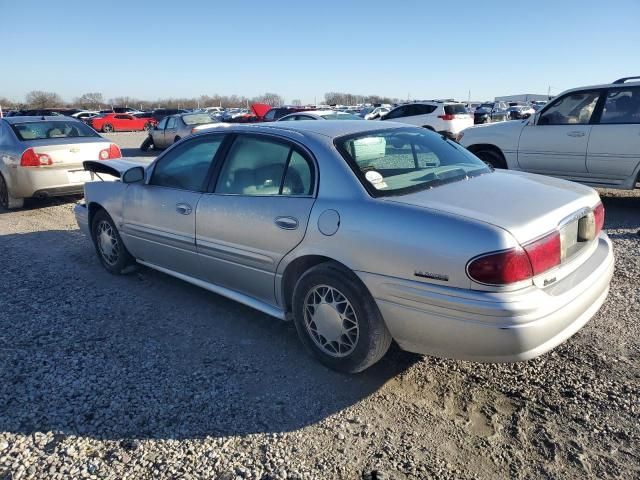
x: 107, y: 127
x: 146, y: 144
x: 112, y: 253
x: 338, y: 320
x: 491, y: 158
x: 7, y: 202
x: 177, y: 139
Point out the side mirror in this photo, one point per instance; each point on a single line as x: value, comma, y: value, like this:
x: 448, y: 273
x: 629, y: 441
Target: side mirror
x: 133, y: 175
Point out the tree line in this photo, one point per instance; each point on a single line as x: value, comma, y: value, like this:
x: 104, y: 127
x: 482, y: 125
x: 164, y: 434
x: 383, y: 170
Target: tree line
x: 96, y: 101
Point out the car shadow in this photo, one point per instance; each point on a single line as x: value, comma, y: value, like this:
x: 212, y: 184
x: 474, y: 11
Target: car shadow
x: 145, y: 355
x: 621, y: 211
x: 37, y: 203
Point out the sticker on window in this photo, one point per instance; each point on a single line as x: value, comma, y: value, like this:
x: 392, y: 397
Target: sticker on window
x: 375, y: 179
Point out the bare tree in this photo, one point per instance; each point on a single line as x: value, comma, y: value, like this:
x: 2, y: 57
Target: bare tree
x: 92, y: 100
x: 40, y: 99
x: 296, y: 102
x: 272, y: 99
x: 7, y: 104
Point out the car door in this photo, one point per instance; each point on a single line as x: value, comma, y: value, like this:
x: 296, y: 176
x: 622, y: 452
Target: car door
x: 159, y: 216
x: 613, y: 153
x: 557, y: 143
x: 158, y: 133
x: 171, y: 130
x: 256, y: 213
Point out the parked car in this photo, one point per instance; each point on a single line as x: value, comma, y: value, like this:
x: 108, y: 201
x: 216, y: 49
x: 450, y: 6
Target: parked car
x: 491, y: 112
x: 362, y: 233
x: 275, y: 113
x: 85, y: 114
x: 117, y: 122
x: 377, y: 113
x: 47, y: 112
x: 520, y: 112
x: 448, y: 119
x: 588, y: 134
x: 42, y: 157
x: 320, y: 115
x: 171, y: 129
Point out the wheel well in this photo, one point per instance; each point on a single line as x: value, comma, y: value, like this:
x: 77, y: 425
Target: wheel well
x: 176, y: 139
x: 93, y: 209
x: 295, y: 270
x: 492, y: 148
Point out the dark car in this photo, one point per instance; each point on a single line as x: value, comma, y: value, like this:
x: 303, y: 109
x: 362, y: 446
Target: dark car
x: 277, y: 113
x: 491, y: 112
x: 160, y: 113
x: 48, y: 112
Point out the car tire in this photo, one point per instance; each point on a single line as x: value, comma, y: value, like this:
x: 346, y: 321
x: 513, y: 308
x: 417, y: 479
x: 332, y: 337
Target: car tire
x: 148, y: 142
x: 491, y: 158
x: 176, y: 140
x: 7, y: 202
x: 338, y: 320
x: 112, y: 253
x: 107, y: 128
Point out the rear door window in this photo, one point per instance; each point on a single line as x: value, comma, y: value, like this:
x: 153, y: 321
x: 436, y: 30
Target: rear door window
x: 621, y: 106
x: 456, y: 109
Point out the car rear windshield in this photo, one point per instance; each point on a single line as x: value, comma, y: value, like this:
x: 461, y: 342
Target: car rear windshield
x: 455, y: 109
x: 340, y: 116
x: 399, y: 161
x: 197, y: 119
x: 52, y: 129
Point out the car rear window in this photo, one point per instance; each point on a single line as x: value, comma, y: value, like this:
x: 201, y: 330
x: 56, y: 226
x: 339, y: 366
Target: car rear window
x: 455, y: 109
x: 52, y: 129
x: 197, y: 119
x: 340, y: 116
x: 399, y: 161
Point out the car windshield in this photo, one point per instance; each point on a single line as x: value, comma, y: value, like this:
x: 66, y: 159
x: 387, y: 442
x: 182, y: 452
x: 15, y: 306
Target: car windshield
x: 399, y: 161
x: 196, y: 119
x: 340, y: 116
x: 52, y: 129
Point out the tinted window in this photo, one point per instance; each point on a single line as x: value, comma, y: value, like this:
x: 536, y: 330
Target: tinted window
x: 423, y: 109
x: 455, y: 109
x: 162, y: 124
x: 187, y: 165
x: 270, y: 115
x: 122, y: 117
x: 52, y: 129
x: 575, y: 108
x: 396, y: 113
x: 171, y: 122
x: 398, y: 161
x: 622, y: 106
x: 256, y: 166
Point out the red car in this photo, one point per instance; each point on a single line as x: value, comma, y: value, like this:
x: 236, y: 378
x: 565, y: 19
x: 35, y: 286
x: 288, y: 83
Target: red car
x: 112, y: 122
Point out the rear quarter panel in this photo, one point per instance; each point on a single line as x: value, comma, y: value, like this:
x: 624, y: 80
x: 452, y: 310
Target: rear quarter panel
x: 108, y: 195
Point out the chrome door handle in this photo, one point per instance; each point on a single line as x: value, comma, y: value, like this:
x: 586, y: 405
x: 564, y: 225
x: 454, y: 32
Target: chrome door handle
x: 576, y: 134
x: 183, y: 208
x: 287, y: 223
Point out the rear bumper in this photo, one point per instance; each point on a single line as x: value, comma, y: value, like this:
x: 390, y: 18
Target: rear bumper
x: 81, y: 213
x: 44, y: 182
x: 493, y: 327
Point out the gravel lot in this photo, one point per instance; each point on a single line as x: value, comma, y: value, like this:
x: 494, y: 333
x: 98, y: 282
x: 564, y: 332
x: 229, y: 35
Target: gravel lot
x: 144, y: 376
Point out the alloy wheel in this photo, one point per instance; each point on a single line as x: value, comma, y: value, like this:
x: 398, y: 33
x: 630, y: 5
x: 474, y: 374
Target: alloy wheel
x: 331, y: 321
x: 107, y: 243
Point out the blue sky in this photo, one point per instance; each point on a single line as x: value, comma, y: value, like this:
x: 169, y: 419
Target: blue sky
x: 303, y: 49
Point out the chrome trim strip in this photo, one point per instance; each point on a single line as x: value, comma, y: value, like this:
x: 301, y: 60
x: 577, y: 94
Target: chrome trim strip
x: 214, y: 249
x: 225, y: 292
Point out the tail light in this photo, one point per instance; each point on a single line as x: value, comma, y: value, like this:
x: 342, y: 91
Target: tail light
x: 598, y: 214
x: 447, y: 116
x: 32, y: 159
x: 110, y: 153
x: 517, y: 264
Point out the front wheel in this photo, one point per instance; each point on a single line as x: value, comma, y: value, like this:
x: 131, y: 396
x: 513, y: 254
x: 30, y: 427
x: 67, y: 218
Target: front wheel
x: 113, y: 255
x: 146, y: 144
x: 491, y: 158
x: 338, y: 320
x: 107, y: 128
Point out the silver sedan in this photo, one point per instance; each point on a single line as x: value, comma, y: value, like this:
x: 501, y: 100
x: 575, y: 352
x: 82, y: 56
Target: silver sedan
x: 362, y: 234
x: 42, y: 157
x: 174, y: 127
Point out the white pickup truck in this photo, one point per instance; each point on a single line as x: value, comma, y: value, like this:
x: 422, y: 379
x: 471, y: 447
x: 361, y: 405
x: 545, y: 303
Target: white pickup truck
x: 589, y: 135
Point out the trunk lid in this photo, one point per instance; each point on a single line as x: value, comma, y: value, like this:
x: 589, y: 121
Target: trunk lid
x: 525, y: 205
x: 66, y: 152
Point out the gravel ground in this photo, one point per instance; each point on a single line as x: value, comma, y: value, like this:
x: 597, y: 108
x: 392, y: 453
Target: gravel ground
x: 144, y: 376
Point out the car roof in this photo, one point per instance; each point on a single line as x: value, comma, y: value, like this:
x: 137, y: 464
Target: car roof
x: 604, y: 85
x: 39, y: 118
x: 328, y: 128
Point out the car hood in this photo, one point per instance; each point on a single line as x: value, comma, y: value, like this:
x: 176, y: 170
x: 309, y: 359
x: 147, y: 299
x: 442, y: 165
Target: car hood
x: 524, y: 204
